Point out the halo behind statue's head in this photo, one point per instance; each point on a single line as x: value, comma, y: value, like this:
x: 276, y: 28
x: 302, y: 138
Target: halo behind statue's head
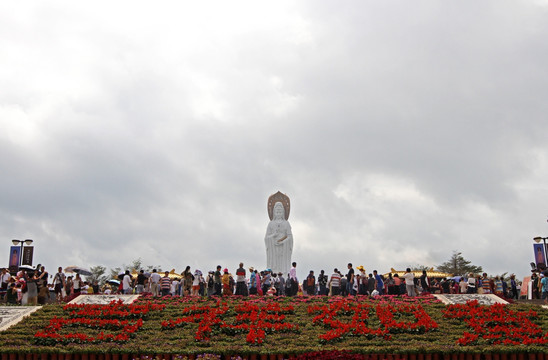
x: 278, y: 197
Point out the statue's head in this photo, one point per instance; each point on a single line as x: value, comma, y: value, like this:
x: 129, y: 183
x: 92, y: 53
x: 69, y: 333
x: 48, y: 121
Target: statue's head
x: 279, y: 211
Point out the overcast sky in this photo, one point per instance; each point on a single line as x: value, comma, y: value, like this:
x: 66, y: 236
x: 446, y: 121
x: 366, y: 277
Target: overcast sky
x: 401, y: 131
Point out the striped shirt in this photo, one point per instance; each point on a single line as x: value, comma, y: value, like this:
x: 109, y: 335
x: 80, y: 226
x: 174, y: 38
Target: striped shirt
x: 165, y: 283
x: 335, y: 280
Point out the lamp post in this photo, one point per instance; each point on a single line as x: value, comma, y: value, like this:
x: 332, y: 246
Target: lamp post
x: 17, y: 242
x: 538, y: 239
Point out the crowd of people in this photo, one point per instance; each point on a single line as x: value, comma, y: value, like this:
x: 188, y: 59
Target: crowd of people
x: 34, y: 287
x: 37, y: 287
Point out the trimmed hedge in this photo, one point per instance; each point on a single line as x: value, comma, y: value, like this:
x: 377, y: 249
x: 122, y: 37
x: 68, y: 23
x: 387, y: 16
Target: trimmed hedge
x: 287, y: 326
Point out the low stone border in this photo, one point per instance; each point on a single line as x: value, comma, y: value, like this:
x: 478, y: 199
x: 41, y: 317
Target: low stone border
x: 483, y: 299
x: 103, y: 299
x: 11, y: 315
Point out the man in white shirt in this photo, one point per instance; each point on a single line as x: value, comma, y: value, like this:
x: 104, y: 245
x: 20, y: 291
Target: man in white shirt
x: 126, y: 283
x: 409, y: 282
x: 293, y: 279
x: 5, y: 279
x: 154, y: 282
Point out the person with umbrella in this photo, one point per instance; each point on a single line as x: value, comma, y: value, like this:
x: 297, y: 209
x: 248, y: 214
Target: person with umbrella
x: 77, y: 284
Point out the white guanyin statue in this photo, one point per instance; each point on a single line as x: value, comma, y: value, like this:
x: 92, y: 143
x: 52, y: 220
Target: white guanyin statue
x: 278, y: 238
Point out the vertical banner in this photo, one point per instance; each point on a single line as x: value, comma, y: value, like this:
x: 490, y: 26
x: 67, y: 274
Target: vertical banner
x: 28, y: 251
x: 539, y: 254
x: 15, y: 255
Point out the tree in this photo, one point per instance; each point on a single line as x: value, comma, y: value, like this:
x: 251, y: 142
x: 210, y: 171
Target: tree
x: 97, y: 274
x: 419, y: 267
x: 136, y: 265
x: 457, y: 265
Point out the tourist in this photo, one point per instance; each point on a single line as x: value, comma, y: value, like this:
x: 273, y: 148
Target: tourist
x: 498, y: 286
x: 140, y: 282
x: 175, y: 287
x: 274, y: 281
x: 471, y: 285
x: 32, y: 289
x: 362, y: 285
x: 504, y: 287
x: 4, y: 279
x: 188, y: 281
x: 271, y: 291
x: 356, y: 284
x: 544, y: 286
x: 280, y: 289
x: 370, y: 284
x: 195, y: 282
x: 350, y: 280
x: 409, y: 278
x: 310, y: 283
x: 390, y: 285
x: 435, y: 287
x: 59, y: 282
x: 266, y: 280
x: 379, y: 283
x: 202, y: 282
x: 126, y: 283
x: 165, y: 284
x: 154, y: 280
x: 241, y: 287
x: 462, y: 285
x: 344, y: 285
x: 444, y: 284
x: 42, y: 277
x: 294, y: 280
x: 252, y: 281
x: 69, y: 289
x: 210, y: 283
x: 322, y: 283
x: 425, y: 282
x: 259, y: 280
x: 19, y: 288
x: 217, y: 281
x: 535, y: 285
x: 11, y: 295
x: 513, y: 287
x: 398, y: 285
x: 43, y: 295
x: 227, y: 289
x: 485, y: 284
x: 95, y: 287
x: 335, y: 283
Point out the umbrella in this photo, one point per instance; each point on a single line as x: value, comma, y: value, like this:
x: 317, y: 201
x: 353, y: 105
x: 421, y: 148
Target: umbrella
x: 78, y: 270
x: 26, y: 267
x: 83, y: 271
x: 113, y: 282
x: 70, y: 268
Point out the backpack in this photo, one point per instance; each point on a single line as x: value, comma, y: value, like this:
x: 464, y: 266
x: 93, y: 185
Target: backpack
x: 310, y: 282
x: 210, y: 282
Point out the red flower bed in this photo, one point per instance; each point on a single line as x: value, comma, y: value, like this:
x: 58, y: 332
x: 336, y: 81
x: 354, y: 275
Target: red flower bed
x: 256, y: 320
x: 496, y: 324
x: 122, y: 321
x: 329, y: 316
